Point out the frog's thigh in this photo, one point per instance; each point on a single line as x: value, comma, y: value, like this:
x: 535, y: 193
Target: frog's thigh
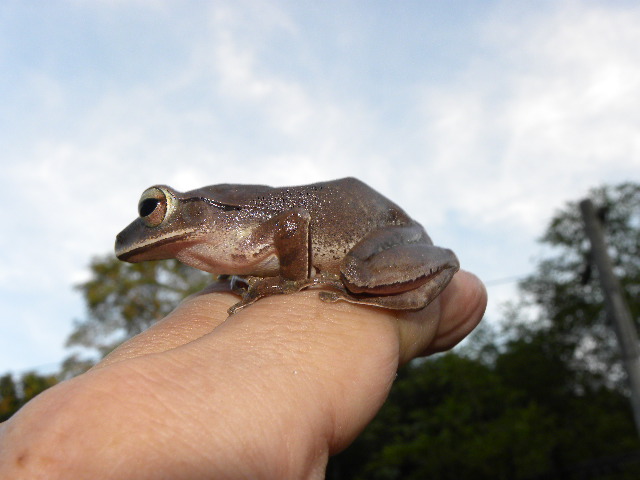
x: 391, y: 268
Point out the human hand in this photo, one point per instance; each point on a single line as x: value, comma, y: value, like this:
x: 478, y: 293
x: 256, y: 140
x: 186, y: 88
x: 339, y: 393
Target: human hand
x: 269, y: 393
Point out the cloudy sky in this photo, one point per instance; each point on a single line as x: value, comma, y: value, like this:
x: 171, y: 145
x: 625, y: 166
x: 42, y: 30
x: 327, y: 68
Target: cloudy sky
x: 479, y: 118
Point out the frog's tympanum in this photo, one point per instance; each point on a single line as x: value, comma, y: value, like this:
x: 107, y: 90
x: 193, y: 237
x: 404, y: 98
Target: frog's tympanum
x: 341, y: 235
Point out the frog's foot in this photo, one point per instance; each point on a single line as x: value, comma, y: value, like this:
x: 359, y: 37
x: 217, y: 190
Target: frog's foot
x: 410, y: 300
x: 336, y: 296
x: 337, y: 291
x: 255, y: 288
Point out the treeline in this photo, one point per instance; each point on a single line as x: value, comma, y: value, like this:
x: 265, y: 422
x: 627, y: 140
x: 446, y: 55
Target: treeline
x: 519, y: 415
x: 14, y: 393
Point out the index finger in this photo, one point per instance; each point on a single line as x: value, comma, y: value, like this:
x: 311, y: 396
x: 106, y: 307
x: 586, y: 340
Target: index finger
x: 438, y: 327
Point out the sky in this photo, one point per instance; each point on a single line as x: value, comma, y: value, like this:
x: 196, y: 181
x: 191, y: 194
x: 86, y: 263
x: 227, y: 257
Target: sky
x: 481, y: 119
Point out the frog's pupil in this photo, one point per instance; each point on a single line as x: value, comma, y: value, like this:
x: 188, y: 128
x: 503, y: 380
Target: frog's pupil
x: 148, y: 206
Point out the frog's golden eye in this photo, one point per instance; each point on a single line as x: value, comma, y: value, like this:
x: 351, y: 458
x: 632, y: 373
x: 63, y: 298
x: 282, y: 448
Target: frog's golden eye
x: 155, y: 203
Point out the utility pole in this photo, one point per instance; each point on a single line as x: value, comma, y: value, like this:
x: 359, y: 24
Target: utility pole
x: 615, y: 304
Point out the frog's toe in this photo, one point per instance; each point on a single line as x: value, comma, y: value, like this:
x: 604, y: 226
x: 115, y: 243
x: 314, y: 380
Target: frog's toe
x: 331, y: 297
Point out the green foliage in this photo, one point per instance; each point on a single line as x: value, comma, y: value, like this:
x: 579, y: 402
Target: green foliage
x: 456, y: 418
x: 9, y: 400
x: 14, y: 394
x: 483, y: 427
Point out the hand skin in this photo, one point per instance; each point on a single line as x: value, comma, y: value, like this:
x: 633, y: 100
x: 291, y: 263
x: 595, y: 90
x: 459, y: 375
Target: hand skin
x: 269, y: 393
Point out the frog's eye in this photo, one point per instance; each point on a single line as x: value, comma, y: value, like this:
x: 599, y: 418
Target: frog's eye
x: 147, y: 206
x: 154, y: 205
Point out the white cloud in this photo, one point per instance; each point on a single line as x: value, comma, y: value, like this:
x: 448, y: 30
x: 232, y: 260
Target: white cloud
x: 551, y: 110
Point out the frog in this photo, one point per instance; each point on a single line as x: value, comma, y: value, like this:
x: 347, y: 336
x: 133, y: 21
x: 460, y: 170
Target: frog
x: 340, y: 236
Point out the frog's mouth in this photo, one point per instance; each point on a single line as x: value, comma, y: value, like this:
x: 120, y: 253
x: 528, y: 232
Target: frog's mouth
x: 130, y: 247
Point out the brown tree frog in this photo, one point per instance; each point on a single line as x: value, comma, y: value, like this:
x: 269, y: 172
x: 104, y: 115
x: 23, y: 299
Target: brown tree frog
x: 340, y: 235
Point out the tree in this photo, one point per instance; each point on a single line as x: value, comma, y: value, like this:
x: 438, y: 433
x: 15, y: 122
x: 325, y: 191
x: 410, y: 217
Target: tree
x: 14, y: 394
x: 124, y: 299
x: 9, y: 401
x: 517, y: 418
x: 451, y: 418
x: 568, y: 302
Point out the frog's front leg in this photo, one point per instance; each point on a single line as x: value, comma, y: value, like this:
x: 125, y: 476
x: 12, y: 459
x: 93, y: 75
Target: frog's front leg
x: 395, y: 267
x: 259, y: 287
x: 290, y: 232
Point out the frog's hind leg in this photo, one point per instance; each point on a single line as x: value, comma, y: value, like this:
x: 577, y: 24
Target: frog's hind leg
x: 411, y: 300
x: 395, y: 267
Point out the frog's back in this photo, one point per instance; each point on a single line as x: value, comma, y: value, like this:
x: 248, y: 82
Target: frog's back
x: 343, y: 198
x: 344, y: 212
x: 333, y: 205
x: 340, y: 195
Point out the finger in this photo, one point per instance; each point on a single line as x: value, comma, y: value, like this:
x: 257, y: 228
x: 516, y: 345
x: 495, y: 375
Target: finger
x: 328, y: 367
x: 196, y: 316
x: 421, y: 333
x: 446, y: 321
x: 338, y: 360
x: 463, y: 306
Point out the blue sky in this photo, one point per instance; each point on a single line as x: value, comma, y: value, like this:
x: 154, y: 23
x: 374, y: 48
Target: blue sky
x: 479, y: 118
